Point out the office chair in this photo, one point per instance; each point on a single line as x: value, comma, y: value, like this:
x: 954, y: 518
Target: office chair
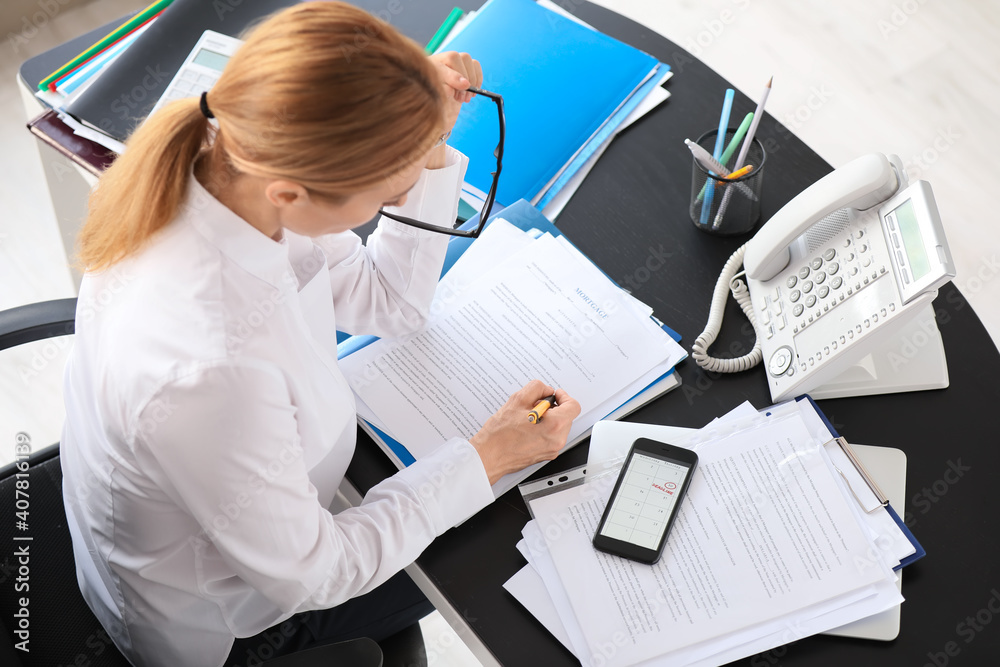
x: 61, y: 629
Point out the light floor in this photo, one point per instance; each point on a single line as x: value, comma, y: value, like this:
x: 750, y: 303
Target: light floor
x: 910, y: 77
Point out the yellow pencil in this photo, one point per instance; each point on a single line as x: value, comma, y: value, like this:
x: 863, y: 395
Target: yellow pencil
x: 742, y: 171
x: 541, y: 408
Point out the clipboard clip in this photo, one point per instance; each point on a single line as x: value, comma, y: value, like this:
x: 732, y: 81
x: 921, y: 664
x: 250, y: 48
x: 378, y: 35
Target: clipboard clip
x: 860, y: 467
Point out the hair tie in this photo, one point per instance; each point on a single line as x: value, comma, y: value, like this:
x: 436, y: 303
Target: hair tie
x: 204, y: 106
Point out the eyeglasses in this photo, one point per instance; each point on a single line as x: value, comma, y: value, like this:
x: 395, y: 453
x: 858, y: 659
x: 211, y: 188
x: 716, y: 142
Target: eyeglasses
x: 490, y: 196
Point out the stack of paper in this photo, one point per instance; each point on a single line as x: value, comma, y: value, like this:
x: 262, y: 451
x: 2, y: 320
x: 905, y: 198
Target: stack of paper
x: 516, y: 306
x: 772, y: 544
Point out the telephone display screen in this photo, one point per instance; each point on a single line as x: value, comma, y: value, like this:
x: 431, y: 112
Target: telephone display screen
x: 648, y: 494
x: 211, y: 59
x: 913, y: 240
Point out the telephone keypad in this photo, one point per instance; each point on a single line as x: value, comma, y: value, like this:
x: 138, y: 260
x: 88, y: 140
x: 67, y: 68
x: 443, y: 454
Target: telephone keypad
x: 829, y: 254
x: 795, y: 295
x: 816, y: 263
x: 819, y: 277
x: 791, y: 281
x: 807, y: 286
x: 804, y: 272
x: 832, y: 268
x: 798, y: 309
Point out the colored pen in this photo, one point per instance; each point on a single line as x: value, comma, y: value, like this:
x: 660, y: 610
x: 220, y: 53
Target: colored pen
x: 744, y: 149
x: 734, y: 143
x: 541, y: 408
x: 720, y: 139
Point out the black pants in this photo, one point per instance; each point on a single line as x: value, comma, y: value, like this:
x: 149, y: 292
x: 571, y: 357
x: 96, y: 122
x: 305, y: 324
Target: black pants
x: 393, y: 606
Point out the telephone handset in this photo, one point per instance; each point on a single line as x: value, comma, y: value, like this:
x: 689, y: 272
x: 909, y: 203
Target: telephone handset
x: 840, y: 269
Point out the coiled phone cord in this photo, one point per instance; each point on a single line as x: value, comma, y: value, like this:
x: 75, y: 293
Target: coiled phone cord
x: 728, y: 282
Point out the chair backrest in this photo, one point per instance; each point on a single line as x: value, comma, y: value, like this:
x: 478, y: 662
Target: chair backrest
x: 40, y: 600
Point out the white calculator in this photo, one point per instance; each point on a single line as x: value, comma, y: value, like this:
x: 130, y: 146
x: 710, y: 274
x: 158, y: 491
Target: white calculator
x: 202, y: 67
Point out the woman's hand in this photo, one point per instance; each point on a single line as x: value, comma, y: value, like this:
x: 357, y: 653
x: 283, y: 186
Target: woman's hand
x: 508, y: 442
x: 458, y: 72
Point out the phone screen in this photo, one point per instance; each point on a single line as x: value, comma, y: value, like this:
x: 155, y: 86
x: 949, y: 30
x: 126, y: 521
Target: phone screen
x: 645, y: 500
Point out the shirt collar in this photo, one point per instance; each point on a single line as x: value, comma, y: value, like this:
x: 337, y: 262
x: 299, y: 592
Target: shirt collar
x: 236, y: 238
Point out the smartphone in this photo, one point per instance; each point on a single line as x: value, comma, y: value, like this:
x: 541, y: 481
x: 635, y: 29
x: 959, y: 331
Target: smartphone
x: 647, y: 495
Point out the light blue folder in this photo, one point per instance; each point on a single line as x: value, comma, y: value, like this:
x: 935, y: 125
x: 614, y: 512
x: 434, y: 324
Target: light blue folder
x: 560, y: 82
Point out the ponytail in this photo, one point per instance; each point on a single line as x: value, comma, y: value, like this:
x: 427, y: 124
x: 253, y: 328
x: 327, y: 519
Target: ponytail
x: 143, y: 189
x: 302, y: 99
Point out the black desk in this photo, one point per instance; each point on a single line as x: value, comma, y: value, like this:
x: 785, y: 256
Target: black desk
x: 632, y: 207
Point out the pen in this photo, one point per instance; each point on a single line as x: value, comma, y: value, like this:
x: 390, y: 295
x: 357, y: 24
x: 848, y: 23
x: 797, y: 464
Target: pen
x: 541, y: 408
x: 720, y: 139
x: 734, y: 143
x: 744, y: 149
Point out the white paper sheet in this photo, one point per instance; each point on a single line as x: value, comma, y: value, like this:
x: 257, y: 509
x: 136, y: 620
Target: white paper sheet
x: 726, y: 567
x: 543, y: 313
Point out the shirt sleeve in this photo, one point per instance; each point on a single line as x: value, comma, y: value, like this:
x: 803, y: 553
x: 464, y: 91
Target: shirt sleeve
x: 229, y: 439
x: 385, y: 287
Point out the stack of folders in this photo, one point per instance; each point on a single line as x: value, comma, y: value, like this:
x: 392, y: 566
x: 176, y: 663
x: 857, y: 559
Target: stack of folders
x: 782, y: 535
x: 65, y: 85
x: 518, y: 303
x: 567, y: 89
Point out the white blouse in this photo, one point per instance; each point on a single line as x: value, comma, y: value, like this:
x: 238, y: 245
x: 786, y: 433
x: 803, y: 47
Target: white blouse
x: 208, y: 427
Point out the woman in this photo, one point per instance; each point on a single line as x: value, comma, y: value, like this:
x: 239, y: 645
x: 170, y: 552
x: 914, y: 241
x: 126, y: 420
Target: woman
x: 208, y: 426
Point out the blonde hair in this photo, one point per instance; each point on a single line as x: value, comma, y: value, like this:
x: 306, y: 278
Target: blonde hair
x: 322, y: 94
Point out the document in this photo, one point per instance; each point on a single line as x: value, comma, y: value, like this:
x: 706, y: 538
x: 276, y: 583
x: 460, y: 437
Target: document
x: 543, y: 312
x: 764, y: 534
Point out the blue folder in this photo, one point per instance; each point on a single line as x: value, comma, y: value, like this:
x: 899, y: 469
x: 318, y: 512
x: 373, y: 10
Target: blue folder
x: 560, y: 81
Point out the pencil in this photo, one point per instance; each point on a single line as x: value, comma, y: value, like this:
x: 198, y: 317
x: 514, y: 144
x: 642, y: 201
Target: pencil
x: 744, y: 149
x: 734, y: 143
x: 540, y: 409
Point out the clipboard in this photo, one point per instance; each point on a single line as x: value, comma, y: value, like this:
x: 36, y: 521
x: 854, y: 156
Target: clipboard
x: 871, y: 463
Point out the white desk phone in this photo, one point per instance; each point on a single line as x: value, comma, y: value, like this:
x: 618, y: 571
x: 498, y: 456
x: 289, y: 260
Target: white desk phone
x: 836, y: 282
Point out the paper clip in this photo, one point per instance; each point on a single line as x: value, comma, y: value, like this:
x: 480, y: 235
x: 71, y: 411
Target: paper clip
x: 860, y: 467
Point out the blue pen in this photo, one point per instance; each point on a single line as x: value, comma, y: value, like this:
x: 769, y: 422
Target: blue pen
x: 720, y: 141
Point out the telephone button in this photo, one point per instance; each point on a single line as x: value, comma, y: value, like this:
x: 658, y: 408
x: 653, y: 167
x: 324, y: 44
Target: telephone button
x: 892, y: 307
x: 834, y: 345
x: 837, y: 282
x: 777, y: 307
x: 858, y: 234
x: 832, y: 268
x: 874, y: 275
x: 865, y: 280
x: 769, y: 332
x: 780, y: 322
x: 826, y: 350
x: 780, y: 361
x: 895, y: 240
x: 864, y: 248
x: 847, y: 242
x: 829, y: 254
x: 797, y: 310
x: 875, y: 318
x: 858, y: 328
x: 853, y: 271
x: 810, y: 301
x: 850, y: 334
x: 795, y: 295
x: 900, y: 258
x: 868, y: 323
x: 791, y: 281
x: 867, y: 262
x: 807, y: 286
x: 823, y: 291
x: 891, y: 219
x: 816, y: 263
x: 843, y: 340
x: 819, y: 277
x: 850, y: 257
x: 884, y: 313
x: 804, y: 272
